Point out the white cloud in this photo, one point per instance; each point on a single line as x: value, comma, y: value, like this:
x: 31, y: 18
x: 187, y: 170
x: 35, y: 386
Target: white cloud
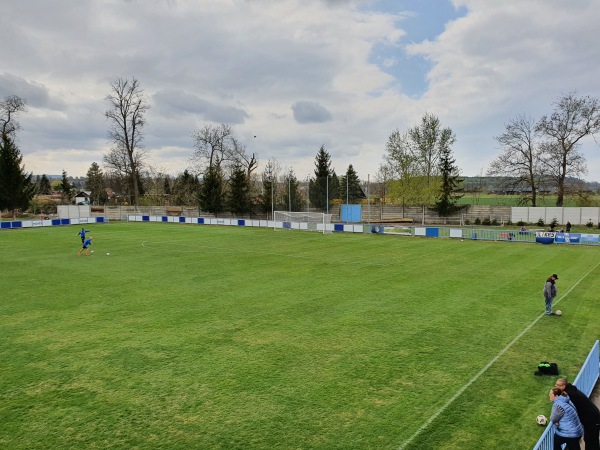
x: 245, y: 62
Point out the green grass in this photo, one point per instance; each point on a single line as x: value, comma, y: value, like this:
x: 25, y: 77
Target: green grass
x: 470, y: 198
x: 191, y: 336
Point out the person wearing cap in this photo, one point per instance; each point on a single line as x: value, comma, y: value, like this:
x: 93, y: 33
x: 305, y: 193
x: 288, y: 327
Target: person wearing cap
x: 550, y: 293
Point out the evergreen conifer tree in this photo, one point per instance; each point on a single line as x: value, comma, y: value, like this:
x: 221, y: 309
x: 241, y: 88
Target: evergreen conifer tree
x: 211, y: 192
x: 238, y: 196
x: 16, y: 187
x: 450, y: 185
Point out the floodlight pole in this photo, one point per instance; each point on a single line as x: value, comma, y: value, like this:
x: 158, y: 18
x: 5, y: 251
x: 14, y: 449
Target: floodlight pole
x: 327, y: 194
x: 290, y: 190
x: 368, y: 202
x: 272, y: 200
x: 347, y: 202
x: 308, y: 195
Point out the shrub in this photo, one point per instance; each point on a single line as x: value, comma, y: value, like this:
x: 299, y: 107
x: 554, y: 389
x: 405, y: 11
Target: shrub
x: 494, y: 222
x: 467, y: 222
x: 589, y: 223
x: 477, y: 221
x: 520, y: 223
x: 554, y: 222
x: 486, y: 221
x: 540, y: 223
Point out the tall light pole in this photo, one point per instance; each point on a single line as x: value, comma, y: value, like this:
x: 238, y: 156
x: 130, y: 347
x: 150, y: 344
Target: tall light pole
x: 308, y: 195
x: 272, y: 200
x: 290, y: 190
x: 368, y: 201
x: 327, y: 194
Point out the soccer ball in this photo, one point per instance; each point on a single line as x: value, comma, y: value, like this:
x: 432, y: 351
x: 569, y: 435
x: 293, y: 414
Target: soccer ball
x: 92, y: 251
x: 107, y: 254
x: 558, y: 312
x: 541, y: 420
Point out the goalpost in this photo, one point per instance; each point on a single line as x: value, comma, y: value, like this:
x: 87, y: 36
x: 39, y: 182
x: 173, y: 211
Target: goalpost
x: 307, y: 221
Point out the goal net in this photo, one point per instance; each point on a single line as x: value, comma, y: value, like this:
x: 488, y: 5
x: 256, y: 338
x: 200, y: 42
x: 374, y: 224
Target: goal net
x: 307, y: 221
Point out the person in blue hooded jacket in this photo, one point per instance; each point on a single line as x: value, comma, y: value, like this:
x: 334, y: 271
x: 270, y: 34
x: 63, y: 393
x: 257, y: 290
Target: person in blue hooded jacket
x: 564, y: 417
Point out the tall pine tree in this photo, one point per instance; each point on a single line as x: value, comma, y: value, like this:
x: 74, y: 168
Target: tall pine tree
x: 350, y: 189
x: 94, y: 182
x: 325, y: 184
x: 16, y: 187
x: 44, y: 186
x: 238, y: 196
x: 211, y: 192
x: 269, y: 188
x: 449, y: 193
x: 292, y: 200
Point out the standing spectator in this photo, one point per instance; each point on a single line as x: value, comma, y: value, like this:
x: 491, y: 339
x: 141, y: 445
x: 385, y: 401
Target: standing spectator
x: 550, y: 293
x: 82, y: 234
x: 568, y: 227
x: 564, y: 417
x: 86, y: 244
x: 588, y: 413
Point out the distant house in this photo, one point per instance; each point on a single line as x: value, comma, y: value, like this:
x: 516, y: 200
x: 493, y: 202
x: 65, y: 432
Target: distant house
x: 83, y: 198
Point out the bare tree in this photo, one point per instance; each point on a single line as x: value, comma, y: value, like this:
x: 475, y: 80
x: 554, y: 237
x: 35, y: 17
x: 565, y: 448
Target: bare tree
x: 126, y: 114
x: 214, y: 145
x: 572, y: 165
x: 10, y: 108
x: 520, y: 160
x: 217, y: 146
x: 573, y: 119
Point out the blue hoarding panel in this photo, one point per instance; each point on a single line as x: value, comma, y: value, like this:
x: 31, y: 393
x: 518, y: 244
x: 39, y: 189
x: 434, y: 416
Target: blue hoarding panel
x: 432, y: 232
x: 567, y: 238
x: 590, y: 238
x: 65, y: 221
x: 338, y: 227
x: 241, y: 222
x: 145, y: 218
x: 182, y: 220
x: 164, y: 219
x: 4, y: 224
x: 201, y: 220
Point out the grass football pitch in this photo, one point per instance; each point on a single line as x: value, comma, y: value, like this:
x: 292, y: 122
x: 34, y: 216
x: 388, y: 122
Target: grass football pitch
x: 200, y: 337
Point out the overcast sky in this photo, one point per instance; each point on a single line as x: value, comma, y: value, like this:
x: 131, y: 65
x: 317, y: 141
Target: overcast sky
x: 297, y: 74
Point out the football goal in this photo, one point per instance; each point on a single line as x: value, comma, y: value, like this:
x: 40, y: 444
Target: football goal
x: 307, y: 221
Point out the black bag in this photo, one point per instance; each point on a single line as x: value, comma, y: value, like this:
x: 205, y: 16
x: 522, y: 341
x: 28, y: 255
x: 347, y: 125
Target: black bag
x: 547, y: 368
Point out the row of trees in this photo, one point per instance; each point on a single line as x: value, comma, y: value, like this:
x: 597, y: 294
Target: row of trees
x: 544, y: 154
x: 418, y: 167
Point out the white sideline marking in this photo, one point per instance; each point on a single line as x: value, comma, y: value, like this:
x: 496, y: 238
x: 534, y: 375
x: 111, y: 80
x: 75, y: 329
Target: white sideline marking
x: 487, y: 366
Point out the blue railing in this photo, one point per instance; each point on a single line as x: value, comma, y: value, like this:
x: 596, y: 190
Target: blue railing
x: 585, y: 382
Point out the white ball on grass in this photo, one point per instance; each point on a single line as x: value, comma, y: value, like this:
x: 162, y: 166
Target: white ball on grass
x: 558, y: 312
x: 107, y: 254
x: 541, y: 420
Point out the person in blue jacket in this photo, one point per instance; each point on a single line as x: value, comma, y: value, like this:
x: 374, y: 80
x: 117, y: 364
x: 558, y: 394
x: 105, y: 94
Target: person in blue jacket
x: 82, y: 234
x: 564, y: 417
x: 86, y: 244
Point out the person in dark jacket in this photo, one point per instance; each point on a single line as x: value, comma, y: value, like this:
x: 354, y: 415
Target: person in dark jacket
x: 550, y: 293
x: 81, y: 234
x: 588, y: 413
x: 86, y: 245
x: 564, y: 418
